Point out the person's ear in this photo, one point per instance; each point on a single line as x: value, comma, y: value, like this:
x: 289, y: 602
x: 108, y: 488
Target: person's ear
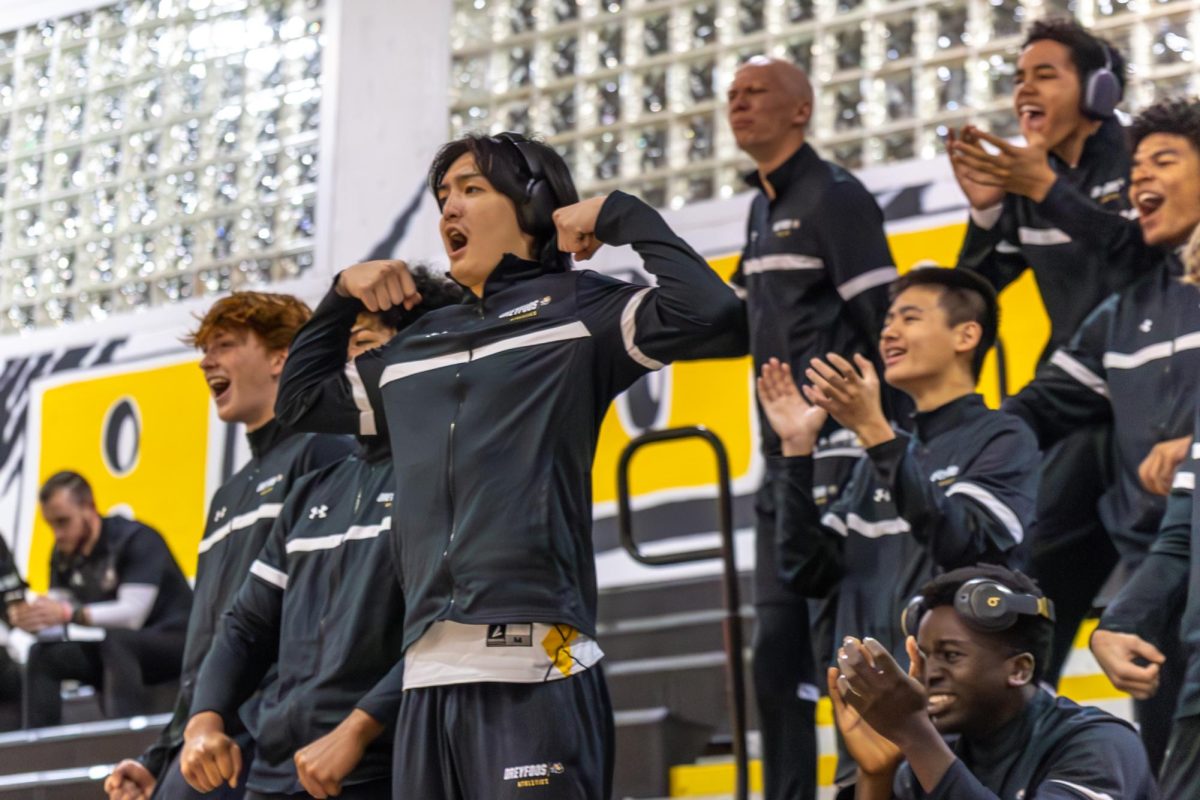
x: 1020, y: 670
x: 967, y: 336
x: 803, y: 114
x: 276, y: 360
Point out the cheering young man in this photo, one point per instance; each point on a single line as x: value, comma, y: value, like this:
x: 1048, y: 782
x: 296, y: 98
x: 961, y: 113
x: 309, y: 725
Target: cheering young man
x: 244, y: 339
x: 493, y: 408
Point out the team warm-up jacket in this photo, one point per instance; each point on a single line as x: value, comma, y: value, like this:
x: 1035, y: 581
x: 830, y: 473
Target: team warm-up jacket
x: 959, y: 490
x: 494, y: 407
x: 322, y: 604
x: 1079, y: 241
x: 128, y: 555
x: 1148, y: 605
x: 1054, y: 750
x: 239, y: 518
x: 814, y: 271
x: 1136, y: 362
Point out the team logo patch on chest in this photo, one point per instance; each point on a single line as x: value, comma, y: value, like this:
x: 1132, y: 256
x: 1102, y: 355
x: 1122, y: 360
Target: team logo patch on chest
x: 784, y: 227
x: 525, y: 311
x: 268, y: 486
x: 944, y: 476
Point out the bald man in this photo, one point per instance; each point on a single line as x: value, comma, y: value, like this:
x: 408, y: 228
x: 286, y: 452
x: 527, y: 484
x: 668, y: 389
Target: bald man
x: 814, y: 275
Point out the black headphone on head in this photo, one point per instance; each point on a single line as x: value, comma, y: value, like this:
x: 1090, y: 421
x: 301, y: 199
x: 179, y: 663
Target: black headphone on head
x: 1102, y: 89
x: 537, y: 211
x: 985, y: 605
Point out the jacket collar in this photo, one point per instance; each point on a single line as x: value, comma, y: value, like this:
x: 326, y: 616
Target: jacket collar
x: 1108, y: 142
x: 511, y: 270
x: 264, y: 440
x: 786, y: 173
x: 932, y: 424
x: 374, y: 449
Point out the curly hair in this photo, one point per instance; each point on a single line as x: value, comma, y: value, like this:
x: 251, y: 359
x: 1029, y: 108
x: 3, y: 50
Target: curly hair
x: 1089, y: 52
x: 1176, y: 116
x: 1029, y: 634
x: 274, y: 318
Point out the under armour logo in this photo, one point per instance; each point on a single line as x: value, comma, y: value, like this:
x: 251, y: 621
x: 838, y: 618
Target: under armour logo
x: 883, y: 496
x: 318, y: 512
x: 220, y: 515
x: 1146, y: 325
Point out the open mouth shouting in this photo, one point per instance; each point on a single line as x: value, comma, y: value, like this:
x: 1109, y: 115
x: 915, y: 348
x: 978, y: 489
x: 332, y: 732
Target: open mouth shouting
x: 1032, y: 116
x: 219, y: 386
x: 456, y: 241
x: 1147, y: 204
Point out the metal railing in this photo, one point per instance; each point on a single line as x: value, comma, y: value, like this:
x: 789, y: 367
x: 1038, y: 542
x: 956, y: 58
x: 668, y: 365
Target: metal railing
x: 735, y: 678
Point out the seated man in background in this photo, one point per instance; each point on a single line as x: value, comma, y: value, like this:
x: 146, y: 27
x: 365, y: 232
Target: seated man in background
x: 111, y: 573
x: 323, y: 604
x: 982, y: 636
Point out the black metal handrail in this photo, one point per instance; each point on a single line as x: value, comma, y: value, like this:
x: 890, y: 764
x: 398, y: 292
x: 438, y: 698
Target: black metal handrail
x: 735, y: 678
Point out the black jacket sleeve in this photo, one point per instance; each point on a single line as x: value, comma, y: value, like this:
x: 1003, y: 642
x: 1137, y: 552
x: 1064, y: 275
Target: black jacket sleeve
x: 810, y: 554
x: 1101, y: 760
x: 1105, y: 229
x: 1143, y: 605
x: 856, y: 254
x: 982, y: 515
x: 691, y: 313
x: 1070, y: 390
x: 247, y: 642
x: 382, y: 703
x: 318, y: 390
x: 993, y: 251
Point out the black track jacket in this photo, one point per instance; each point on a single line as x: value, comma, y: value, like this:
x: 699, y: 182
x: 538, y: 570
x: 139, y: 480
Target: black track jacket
x: 959, y: 490
x: 1078, y: 242
x: 320, y: 605
x: 815, y: 270
x: 494, y: 407
x: 1055, y: 750
x: 1168, y: 580
x: 239, y: 518
x: 1135, y: 362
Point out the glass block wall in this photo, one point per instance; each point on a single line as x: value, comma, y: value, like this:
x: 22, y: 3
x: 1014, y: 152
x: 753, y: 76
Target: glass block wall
x: 155, y: 150
x: 632, y: 91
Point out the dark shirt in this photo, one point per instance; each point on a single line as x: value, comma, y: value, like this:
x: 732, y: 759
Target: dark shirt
x: 126, y: 552
x: 1054, y: 750
x: 1134, y: 362
x: 323, y: 604
x: 959, y: 490
x: 1079, y: 241
x: 494, y: 408
x: 814, y: 270
x: 1167, y: 582
x: 240, y: 517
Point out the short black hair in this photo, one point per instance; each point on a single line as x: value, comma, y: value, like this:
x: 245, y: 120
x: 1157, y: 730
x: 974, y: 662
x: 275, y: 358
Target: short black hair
x: 506, y: 167
x: 1176, y: 116
x: 1089, y: 52
x: 436, y: 291
x: 1029, y: 634
x: 965, y: 297
x: 73, y: 482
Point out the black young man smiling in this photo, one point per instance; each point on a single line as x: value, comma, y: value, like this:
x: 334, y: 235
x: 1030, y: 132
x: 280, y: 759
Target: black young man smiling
x: 975, y: 662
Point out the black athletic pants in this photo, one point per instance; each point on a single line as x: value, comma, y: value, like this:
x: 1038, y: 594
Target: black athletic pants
x: 371, y: 790
x: 1156, y: 716
x: 1071, y: 554
x: 506, y: 741
x: 172, y: 786
x: 121, y: 666
x: 1180, y: 776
